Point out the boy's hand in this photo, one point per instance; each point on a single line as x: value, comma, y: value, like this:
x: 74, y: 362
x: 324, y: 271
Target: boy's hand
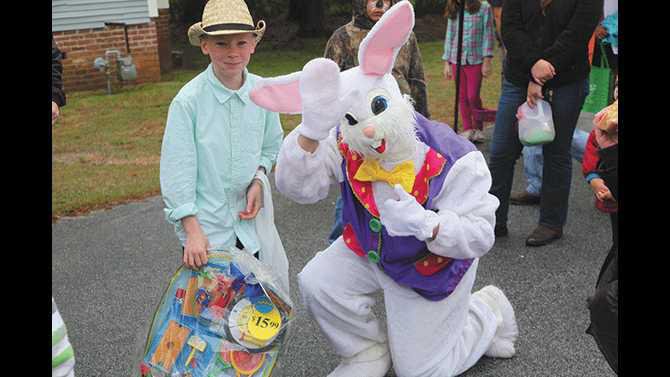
x: 197, y: 244
x: 254, y: 200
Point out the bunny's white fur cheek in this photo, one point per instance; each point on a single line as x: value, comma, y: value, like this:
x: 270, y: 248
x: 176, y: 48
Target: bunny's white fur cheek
x: 395, y: 125
x: 398, y: 113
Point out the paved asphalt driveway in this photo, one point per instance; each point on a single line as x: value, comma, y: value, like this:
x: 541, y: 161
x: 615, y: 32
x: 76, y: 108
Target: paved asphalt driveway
x: 110, y: 269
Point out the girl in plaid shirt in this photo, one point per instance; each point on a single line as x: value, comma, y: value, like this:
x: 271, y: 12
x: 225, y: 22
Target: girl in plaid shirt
x: 478, y: 39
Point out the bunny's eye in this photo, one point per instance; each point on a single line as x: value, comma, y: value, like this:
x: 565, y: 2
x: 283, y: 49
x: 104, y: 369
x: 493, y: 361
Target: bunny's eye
x: 350, y: 118
x: 379, y: 104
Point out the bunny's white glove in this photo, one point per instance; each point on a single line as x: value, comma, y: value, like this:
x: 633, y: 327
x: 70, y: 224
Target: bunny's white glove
x: 406, y: 217
x: 322, y: 108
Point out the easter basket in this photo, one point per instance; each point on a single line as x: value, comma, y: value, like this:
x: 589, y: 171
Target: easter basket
x: 230, y: 318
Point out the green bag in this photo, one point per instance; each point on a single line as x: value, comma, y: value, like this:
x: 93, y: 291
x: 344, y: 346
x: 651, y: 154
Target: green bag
x: 600, y: 86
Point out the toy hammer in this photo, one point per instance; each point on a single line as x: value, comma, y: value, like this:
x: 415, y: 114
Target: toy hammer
x: 198, y: 344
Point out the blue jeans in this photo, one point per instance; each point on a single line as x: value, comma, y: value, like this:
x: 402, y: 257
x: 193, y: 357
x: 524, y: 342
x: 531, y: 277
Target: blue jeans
x: 506, y: 148
x: 533, y: 161
x: 339, y: 225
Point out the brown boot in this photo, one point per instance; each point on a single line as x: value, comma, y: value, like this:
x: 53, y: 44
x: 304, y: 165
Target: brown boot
x: 524, y: 199
x: 543, y: 235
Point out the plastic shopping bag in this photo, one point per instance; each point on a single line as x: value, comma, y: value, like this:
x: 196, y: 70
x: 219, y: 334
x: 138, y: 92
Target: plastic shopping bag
x: 536, y: 125
x: 272, y: 250
x: 228, y: 319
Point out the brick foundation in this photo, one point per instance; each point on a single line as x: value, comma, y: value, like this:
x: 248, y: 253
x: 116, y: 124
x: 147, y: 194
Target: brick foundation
x: 83, y: 46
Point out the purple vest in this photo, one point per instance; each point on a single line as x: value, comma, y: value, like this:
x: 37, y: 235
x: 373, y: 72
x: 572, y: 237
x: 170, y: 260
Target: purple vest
x: 401, y: 258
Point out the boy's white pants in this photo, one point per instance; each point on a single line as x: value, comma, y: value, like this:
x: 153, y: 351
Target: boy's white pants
x: 426, y: 338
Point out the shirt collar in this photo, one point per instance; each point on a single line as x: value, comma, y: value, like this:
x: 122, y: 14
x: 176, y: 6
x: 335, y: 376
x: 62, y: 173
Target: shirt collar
x: 223, y: 94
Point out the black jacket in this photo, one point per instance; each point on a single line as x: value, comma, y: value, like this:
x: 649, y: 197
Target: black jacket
x: 57, y: 93
x: 604, y: 309
x: 560, y: 37
x: 608, y: 167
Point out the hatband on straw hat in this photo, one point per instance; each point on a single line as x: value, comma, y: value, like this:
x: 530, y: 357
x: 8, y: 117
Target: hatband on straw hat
x: 223, y: 17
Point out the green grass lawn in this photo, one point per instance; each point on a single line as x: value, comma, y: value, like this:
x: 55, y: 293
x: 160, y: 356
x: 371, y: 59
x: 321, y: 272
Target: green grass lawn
x: 106, y: 148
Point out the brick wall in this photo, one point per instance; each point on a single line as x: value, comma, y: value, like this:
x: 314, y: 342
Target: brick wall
x: 164, y: 45
x: 83, y: 46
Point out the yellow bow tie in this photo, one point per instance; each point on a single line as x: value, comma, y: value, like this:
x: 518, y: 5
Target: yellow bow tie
x: 403, y: 174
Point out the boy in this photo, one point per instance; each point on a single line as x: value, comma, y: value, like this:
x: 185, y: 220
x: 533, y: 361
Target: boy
x: 217, y: 141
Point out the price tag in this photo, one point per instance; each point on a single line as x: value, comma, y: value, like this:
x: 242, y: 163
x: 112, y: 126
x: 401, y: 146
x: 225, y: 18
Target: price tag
x: 264, y: 326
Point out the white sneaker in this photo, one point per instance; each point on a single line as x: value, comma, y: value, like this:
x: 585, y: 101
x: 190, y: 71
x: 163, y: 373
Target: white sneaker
x: 507, y: 332
x: 372, y: 362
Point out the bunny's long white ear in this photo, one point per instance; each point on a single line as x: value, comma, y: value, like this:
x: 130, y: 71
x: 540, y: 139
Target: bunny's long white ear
x: 280, y: 94
x: 380, y: 47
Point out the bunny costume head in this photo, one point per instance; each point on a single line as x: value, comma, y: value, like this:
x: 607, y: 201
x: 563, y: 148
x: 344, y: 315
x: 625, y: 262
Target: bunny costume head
x: 365, y: 102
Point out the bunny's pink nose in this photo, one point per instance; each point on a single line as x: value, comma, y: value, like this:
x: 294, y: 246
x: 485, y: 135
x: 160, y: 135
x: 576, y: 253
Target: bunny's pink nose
x: 369, y: 132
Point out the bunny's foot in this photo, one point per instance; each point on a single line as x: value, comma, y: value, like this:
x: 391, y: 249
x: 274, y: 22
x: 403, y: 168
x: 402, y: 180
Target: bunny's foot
x: 372, y: 362
x: 507, y: 332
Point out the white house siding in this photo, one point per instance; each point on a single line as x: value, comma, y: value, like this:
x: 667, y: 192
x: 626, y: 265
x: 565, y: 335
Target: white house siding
x: 90, y: 14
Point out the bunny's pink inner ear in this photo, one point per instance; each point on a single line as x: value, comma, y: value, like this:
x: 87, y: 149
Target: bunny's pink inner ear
x: 380, y: 47
x: 281, y: 95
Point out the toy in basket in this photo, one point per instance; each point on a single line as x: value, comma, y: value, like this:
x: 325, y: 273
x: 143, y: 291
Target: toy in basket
x: 227, y: 319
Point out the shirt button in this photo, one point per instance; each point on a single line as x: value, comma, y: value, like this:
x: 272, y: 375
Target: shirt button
x: 373, y: 256
x: 375, y: 225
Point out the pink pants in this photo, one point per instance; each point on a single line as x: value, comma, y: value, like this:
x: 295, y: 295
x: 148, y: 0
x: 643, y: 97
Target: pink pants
x: 470, y: 100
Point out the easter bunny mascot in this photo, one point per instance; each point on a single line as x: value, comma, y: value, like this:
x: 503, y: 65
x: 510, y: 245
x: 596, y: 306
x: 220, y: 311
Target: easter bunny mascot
x: 417, y: 216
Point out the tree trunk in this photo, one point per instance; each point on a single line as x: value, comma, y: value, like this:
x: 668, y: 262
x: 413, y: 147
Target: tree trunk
x: 310, y: 16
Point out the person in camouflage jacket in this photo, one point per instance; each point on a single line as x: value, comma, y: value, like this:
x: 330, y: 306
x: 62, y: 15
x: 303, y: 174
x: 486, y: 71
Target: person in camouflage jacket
x: 342, y: 47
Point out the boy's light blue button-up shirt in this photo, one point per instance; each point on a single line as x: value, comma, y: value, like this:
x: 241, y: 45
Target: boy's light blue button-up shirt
x: 215, y: 140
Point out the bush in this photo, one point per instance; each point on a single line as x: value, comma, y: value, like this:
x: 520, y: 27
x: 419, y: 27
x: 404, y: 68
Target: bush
x: 188, y: 12
x: 338, y: 8
x: 424, y: 7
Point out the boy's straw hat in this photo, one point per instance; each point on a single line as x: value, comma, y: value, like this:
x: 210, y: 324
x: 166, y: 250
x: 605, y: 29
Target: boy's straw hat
x: 222, y: 17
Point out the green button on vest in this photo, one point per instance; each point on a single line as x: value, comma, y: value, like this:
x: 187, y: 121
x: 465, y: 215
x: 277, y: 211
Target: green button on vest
x: 375, y: 225
x: 373, y: 256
